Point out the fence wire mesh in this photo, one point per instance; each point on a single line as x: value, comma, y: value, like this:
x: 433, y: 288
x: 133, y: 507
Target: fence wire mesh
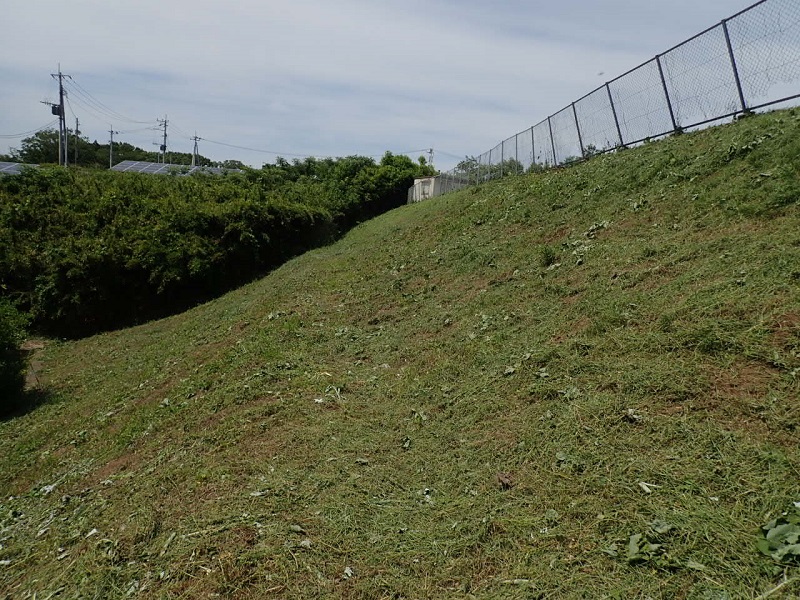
x: 510, y: 162
x: 565, y: 136
x: 700, y: 79
x: 596, y: 121
x: 641, y: 103
x: 749, y: 61
x: 545, y: 156
x: 525, y: 149
x: 766, y: 44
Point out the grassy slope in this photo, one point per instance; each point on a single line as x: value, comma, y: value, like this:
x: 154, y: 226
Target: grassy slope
x: 345, y: 426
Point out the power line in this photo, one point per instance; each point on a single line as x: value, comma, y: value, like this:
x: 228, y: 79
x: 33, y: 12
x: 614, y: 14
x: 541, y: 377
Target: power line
x: 11, y: 136
x: 179, y: 130
x: 85, y: 100
x: 69, y: 104
x: 91, y: 109
x: 135, y: 130
x: 412, y: 151
x: 258, y: 149
x: 276, y: 153
x: 119, y: 116
x: 96, y: 110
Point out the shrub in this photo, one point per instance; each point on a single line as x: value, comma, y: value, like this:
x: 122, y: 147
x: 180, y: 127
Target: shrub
x: 88, y: 251
x: 547, y: 256
x: 12, y: 359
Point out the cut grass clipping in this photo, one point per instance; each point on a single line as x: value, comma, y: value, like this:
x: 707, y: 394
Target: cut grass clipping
x: 581, y: 383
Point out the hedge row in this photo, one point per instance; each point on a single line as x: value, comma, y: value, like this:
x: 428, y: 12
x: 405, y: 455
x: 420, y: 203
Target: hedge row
x: 12, y: 360
x: 86, y: 251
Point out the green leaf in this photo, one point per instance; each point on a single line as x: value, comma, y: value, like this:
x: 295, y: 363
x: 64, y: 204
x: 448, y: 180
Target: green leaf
x: 781, y: 539
x: 552, y: 515
x: 770, y: 525
x: 695, y: 566
x: 782, y: 533
x: 612, y: 550
x: 661, y: 527
x: 765, y: 547
x: 634, y: 553
x: 786, y: 552
x: 650, y: 548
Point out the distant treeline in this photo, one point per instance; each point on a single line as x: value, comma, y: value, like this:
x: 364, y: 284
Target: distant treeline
x: 42, y: 148
x: 83, y: 251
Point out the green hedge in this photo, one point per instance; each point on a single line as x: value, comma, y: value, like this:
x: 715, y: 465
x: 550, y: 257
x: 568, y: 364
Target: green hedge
x: 12, y: 359
x: 86, y: 251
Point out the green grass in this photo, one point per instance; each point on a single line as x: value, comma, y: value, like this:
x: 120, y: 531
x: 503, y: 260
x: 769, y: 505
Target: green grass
x: 483, y: 395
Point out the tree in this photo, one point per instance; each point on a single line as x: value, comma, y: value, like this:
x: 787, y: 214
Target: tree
x: 41, y: 147
x: 424, y: 168
x: 233, y: 164
x: 468, y: 167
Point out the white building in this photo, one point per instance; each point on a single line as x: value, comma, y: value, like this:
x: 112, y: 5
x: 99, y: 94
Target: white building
x: 435, y: 185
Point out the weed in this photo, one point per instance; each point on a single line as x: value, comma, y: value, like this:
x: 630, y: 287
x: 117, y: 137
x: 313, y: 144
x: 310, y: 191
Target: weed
x: 547, y: 256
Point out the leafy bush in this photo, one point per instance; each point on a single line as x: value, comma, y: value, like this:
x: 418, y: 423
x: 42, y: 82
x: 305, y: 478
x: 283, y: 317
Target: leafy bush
x: 87, y: 251
x: 12, y: 360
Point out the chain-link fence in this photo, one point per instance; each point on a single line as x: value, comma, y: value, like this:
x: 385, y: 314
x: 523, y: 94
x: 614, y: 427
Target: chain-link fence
x: 747, y: 62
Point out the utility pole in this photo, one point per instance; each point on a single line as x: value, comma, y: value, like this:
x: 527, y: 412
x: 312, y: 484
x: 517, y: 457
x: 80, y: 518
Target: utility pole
x: 430, y: 159
x: 111, y: 147
x: 62, y: 123
x: 163, y: 122
x: 194, y: 153
x: 77, y: 133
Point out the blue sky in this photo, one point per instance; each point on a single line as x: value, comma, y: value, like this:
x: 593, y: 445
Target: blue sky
x: 323, y: 78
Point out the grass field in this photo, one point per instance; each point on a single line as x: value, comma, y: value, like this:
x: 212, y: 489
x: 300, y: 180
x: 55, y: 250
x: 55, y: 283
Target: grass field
x: 577, y: 384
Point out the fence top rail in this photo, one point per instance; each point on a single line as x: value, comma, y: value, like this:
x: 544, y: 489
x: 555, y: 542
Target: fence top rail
x: 645, y: 63
x: 594, y: 91
x: 705, y: 31
x: 744, y: 10
x: 675, y: 47
x: 693, y: 38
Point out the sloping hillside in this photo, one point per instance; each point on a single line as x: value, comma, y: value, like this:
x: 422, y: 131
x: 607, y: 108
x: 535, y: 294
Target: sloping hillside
x: 583, y: 383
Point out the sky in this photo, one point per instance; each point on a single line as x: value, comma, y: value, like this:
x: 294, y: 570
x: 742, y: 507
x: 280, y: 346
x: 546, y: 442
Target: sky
x: 324, y: 77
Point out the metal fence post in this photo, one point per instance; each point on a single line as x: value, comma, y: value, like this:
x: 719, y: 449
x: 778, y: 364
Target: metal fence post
x: 733, y: 64
x: 681, y: 73
x: 552, y: 141
x: 614, y: 112
x: 675, y: 126
x: 578, y: 127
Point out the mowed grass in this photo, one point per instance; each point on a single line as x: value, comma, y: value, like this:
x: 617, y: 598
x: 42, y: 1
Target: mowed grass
x: 485, y: 395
